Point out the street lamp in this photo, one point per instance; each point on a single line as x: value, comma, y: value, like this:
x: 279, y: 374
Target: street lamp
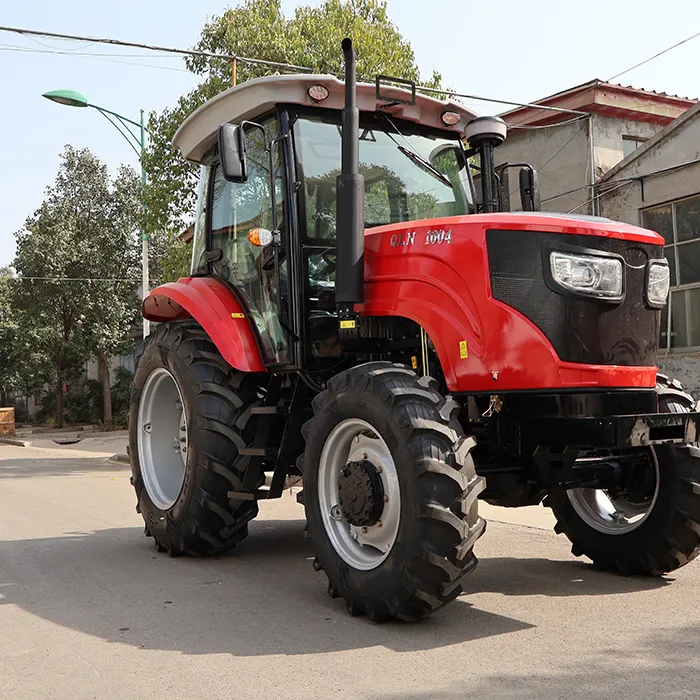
x: 71, y: 98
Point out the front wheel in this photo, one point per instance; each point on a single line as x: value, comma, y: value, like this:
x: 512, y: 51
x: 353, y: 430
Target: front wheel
x: 390, y: 492
x: 652, y: 524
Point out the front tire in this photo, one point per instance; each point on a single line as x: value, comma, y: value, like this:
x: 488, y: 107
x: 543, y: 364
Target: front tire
x: 189, y: 416
x: 390, y: 492
x: 665, y: 535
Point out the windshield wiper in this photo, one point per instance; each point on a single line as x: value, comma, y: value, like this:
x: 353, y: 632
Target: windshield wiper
x: 425, y: 165
x: 421, y: 162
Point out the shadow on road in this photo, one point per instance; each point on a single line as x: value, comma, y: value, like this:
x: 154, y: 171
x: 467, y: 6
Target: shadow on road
x: 665, y: 664
x: 521, y: 577
x: 29, y: 466
x: 263, y: 598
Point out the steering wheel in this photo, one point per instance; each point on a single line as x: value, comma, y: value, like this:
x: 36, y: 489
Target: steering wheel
x: 330, y: 259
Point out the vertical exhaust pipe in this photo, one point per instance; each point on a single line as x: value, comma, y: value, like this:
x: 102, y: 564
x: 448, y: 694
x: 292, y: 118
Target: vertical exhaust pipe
x: 350, y: 206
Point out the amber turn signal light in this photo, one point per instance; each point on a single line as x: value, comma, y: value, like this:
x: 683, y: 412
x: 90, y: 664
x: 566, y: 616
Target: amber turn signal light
x: 260, y: 237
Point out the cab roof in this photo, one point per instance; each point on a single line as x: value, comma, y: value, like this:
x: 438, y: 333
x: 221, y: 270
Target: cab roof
x: 198, y: 133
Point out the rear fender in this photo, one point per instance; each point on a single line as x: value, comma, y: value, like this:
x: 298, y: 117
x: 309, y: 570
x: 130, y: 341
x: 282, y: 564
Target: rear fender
x: 216, y: 309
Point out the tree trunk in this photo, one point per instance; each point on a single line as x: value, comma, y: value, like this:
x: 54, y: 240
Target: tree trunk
x: 59, y: 402
x: 3, y: 396
x: 103, y: 362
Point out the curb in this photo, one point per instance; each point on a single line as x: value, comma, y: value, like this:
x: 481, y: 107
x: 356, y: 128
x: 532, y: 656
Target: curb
x: 11, y: 441
x: 122, y: 458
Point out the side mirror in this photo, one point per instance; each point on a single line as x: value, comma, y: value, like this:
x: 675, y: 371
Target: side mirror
x: 232, y: 153
x: 529, y: 189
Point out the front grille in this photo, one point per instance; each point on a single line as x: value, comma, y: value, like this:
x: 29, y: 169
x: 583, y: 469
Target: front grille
x: 581, y: 330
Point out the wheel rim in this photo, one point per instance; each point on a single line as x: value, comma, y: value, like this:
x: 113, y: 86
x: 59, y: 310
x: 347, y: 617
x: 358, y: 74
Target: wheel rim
x: 613, y: 515
x: 367, y: 547
x: 162, y: 438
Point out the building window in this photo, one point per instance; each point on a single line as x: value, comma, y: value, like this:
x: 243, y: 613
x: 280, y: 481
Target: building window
x: 679, y: 224
x: 630, y: 144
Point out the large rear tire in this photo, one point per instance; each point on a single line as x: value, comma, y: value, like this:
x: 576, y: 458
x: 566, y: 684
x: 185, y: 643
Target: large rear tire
x: 189, y: 417
x: 390, y: 492
x: 664, y: 535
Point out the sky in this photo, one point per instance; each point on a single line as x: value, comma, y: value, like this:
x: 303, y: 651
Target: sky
x: 516, y: 50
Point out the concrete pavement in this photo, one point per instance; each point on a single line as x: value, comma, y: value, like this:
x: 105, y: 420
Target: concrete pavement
x: 88, y: 609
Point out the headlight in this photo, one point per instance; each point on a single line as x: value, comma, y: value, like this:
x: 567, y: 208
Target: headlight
x: 591, y: 275
x: 658, y: 282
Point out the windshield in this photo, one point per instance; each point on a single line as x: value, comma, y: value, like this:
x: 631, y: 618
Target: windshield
x: 409, y: 173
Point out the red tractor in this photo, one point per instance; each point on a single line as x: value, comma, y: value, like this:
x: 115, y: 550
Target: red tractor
x: 373, y: 325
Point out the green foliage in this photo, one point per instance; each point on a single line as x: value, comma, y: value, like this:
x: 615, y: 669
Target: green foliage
x: 85, y: 228
x: 82, y: 404
x: 176, y: 261
x: 9, y: 354
x: 259, y: 29
x: 121, y: 396
x: 21, y: 415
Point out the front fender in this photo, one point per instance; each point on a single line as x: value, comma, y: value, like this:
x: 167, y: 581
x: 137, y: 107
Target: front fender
x: 216, y: 309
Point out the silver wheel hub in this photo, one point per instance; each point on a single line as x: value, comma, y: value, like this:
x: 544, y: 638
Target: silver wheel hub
x: 162, y: 438
x: 358, y: 492
x: 614, y: 514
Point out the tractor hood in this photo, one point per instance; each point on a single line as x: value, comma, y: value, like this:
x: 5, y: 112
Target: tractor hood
x: 480, y: 286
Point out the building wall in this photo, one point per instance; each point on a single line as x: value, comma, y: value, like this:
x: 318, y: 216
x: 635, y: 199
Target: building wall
x: 607, y: 139
x: 681, y: 145
x: 92, y: 369
x: 560, y: 154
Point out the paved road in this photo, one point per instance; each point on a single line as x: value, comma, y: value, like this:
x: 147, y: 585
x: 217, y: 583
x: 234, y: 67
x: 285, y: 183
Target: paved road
x: 88, y: 609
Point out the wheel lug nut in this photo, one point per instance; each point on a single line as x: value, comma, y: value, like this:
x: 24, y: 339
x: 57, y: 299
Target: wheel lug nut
x: 386, y: 499
x: 378, y: 467
x: 364, y: 530
x: 380, y: 523
x: 364, y: 455
x: 147, y: 428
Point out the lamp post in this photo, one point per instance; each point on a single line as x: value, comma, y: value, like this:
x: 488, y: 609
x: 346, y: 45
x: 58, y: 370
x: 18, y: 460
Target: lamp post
x: 71, y: 98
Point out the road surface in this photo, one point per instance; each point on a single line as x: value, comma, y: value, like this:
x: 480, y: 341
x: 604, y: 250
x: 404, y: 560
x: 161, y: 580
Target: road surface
x: 88, y: 609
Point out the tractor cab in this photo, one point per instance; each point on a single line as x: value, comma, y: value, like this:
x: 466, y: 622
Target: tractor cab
x: 270, y: 156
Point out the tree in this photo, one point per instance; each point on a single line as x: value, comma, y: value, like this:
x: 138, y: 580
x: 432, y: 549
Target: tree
x: 9, y: 355
x: 259, y: 29
x: 77, y: 261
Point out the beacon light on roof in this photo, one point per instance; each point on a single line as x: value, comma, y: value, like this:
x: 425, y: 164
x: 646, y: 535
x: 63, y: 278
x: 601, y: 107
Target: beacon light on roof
x: 450, y: 118
x: 318, y: 93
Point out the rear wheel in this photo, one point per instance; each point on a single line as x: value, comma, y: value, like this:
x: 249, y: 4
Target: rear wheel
x: 652, y: 526
x: 190, y: 415
x: 390, y: 492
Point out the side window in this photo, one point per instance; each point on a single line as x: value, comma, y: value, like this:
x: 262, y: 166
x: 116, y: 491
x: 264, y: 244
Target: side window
x: 236, y: 209
x: 200, y: 239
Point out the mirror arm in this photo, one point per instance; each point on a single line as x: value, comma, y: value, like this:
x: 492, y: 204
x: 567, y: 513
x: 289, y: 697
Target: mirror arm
x: 504, y: 166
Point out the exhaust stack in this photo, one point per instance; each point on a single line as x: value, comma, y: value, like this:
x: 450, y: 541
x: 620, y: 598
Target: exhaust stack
x: 350, y: 206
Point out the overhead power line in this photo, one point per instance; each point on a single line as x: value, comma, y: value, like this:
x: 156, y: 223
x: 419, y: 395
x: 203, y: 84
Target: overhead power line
x: 150, y: 47
x: 497, y: 101
x: 95, y: 56
x: 256, y: 61
x: 656, y: 55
